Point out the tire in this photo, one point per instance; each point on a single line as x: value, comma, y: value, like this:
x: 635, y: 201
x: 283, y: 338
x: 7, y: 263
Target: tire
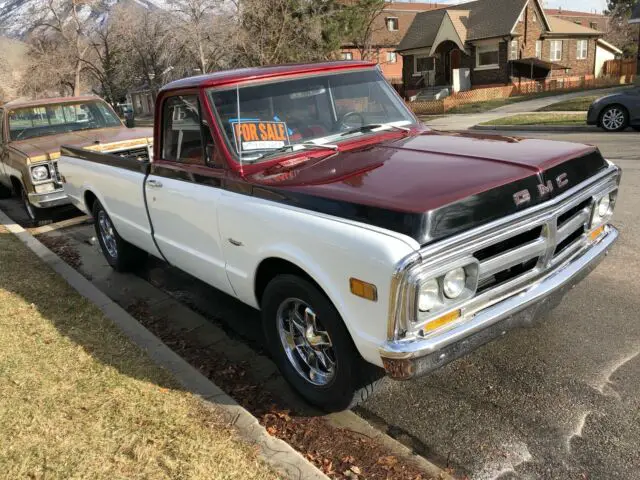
x: 120, y: 254
x: 614, y: 118
x: 347, y: 379
x: 37, y: 217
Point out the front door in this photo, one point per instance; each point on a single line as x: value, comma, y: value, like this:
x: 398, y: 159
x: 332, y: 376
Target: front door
x: 183, y: 194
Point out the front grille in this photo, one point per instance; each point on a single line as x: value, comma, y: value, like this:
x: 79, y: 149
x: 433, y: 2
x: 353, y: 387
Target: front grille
x: 141, y: 154
x: 539, y: 247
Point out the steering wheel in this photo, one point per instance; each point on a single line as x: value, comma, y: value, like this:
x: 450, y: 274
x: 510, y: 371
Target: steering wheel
x: 344, y: 123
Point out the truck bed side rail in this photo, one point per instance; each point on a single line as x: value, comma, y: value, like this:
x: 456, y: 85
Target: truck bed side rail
x: 110, y: 159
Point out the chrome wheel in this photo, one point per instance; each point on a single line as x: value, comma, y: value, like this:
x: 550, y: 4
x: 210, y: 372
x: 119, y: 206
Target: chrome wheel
x: 613, y: 119
x: 107, y: 234
x: 307, y: 345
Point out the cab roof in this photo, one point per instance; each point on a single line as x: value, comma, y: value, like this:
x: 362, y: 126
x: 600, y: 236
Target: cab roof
x: 22, y: 103
x: 227, y: 77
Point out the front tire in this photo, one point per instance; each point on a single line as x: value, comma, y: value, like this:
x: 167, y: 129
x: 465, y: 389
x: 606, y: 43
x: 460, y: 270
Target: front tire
x: 37, y: 216
x: 120, y: 254
x: 312, y: 347
x: 614, y: 118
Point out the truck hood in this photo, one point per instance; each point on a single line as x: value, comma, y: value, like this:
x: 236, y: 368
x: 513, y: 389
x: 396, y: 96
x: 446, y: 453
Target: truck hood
x: 434, y: 184
x: 102, y: 139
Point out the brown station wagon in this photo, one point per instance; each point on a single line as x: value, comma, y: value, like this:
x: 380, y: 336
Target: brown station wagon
x: 31, y: 133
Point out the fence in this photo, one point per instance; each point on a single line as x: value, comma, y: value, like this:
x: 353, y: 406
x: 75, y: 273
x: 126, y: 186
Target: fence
x: 526, y: 87
x: 617, y: 68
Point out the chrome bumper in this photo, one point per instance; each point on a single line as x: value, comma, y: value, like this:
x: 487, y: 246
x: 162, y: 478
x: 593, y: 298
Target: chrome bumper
x: 409, y: 359
x: 48, y: 200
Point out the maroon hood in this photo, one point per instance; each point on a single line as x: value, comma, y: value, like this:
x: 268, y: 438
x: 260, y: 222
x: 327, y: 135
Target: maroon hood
x: 433, y: 184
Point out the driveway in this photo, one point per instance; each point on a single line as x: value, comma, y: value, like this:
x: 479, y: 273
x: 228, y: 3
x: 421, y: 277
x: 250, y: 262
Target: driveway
x: 466, y: 121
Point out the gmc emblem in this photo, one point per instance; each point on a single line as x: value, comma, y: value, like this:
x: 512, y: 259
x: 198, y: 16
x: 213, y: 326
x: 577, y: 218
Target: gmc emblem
x: 544, y: 189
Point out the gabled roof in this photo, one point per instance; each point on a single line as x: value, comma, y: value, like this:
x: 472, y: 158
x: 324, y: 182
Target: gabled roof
x: 564, y: 27
x: 559, y: 12
x: 635, y: 15
x: 494, y: 18
x: 423, y: 30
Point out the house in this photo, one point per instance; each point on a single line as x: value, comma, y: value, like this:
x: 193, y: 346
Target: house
x: 595, y: 21
x: 388, y: 28
x: 495, y: 42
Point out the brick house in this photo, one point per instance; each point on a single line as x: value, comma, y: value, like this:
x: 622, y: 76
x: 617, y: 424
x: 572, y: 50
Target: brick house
x: 497, y: 42
x: 388, y: 30
x: 595, y: 21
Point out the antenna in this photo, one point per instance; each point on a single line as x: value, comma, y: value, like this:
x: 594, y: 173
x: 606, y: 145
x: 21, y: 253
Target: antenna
x: 239, y: 135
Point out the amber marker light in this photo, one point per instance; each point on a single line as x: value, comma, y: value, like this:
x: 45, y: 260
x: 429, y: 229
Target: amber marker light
x: 442, y: 321
x: 363, y: 289
x: 596, y: 233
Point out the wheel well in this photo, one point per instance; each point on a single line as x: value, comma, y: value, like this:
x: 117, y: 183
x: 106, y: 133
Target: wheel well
x: 270, y: 268
x: 89, y: 200
x: 17, y: 184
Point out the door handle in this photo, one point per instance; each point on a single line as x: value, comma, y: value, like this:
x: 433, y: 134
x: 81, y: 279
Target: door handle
x: 154, y: 184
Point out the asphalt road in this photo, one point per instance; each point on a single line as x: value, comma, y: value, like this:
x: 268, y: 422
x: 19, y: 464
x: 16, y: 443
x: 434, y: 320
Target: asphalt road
x: 559, y: 401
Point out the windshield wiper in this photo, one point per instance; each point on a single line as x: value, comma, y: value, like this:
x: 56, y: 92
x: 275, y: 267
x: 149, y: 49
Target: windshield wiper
x: 373, y: 126
x: 306, y: 146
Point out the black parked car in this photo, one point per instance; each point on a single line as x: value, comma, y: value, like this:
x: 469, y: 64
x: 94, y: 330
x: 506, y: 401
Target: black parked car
x: 617, y: 112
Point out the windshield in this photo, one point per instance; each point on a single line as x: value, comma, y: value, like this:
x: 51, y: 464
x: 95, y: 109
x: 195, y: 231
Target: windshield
x: 46, y: 120
x: 278, y: 117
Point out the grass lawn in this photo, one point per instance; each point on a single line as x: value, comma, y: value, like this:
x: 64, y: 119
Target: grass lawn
x: 580, y: 104
x: 78, y: 400
x: 540, y: 119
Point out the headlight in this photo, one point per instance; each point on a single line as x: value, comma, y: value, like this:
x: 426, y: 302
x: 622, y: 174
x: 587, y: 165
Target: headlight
x: 40, y: 173
x: 429, y: 295
x: 603, y: 209
x: 454, y: 283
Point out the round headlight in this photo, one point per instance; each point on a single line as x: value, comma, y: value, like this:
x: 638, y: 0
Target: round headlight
x: 40, y: 173
x: 429, y: 296
x: 604, y: 205
x: 454, y: 283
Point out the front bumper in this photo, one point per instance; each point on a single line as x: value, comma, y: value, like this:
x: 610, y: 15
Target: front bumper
x: 406, y: 360
x: 49, y: 200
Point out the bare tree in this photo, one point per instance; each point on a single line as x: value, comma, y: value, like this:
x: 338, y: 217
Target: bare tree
x: 363, y: 23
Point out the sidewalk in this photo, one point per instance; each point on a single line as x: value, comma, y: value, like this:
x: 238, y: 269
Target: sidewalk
x: 467, y: 121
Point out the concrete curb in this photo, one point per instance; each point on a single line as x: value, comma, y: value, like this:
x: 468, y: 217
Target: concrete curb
x: 536, y: 128
x: 277, y: 453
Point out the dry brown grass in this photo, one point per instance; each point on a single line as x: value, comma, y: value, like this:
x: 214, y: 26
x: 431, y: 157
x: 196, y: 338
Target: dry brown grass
x: 78, y: 400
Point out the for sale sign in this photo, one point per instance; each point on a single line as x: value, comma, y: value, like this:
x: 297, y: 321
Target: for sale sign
x: 258, y: 135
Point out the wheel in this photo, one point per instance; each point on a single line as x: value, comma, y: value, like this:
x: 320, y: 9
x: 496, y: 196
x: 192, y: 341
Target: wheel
x: 121, y: 255
x: 614, y: 118
x: 312, y: 347
x: 37, y: 216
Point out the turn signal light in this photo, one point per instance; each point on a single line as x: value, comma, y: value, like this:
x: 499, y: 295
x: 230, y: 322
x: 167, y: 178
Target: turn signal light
x: 442, y: 321
x: 596, y: 233
x: 363, y: 289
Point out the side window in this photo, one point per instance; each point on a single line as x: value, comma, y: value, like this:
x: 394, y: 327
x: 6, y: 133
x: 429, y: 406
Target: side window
x: 181, y: 130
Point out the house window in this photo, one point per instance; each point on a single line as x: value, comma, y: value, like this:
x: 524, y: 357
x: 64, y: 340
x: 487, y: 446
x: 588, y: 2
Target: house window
x: 513, y: 50
x: 392, y: 24
x: 577, y: 22
x: 539, y: 49
x: 593, y: 25
x: 583, y: 49
x: 346, y: 56
x: 423, y: 64
x: 556, y: 50
x: 392, y: 57
x: 488, y: 56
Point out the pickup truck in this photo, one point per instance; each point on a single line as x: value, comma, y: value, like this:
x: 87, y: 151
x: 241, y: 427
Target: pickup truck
x: 369, y: 243
x: 31, y: 132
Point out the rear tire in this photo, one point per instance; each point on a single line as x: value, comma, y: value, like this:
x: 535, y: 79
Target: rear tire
x: 614, y: 118
x: 120, y: 254
x: 319, y: 360
x: 37, y: 216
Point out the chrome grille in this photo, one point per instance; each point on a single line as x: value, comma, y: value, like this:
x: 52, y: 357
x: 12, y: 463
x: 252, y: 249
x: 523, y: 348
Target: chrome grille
x: 537, y: 248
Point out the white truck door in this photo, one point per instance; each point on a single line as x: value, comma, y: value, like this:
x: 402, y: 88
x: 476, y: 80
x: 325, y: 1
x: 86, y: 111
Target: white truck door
x: 183, y: 194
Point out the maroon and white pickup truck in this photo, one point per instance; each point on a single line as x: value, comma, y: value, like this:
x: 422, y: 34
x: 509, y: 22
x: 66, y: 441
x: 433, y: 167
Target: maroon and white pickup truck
x: 370, y: 243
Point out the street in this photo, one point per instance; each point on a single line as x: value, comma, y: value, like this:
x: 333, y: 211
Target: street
x: 559, y: 401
